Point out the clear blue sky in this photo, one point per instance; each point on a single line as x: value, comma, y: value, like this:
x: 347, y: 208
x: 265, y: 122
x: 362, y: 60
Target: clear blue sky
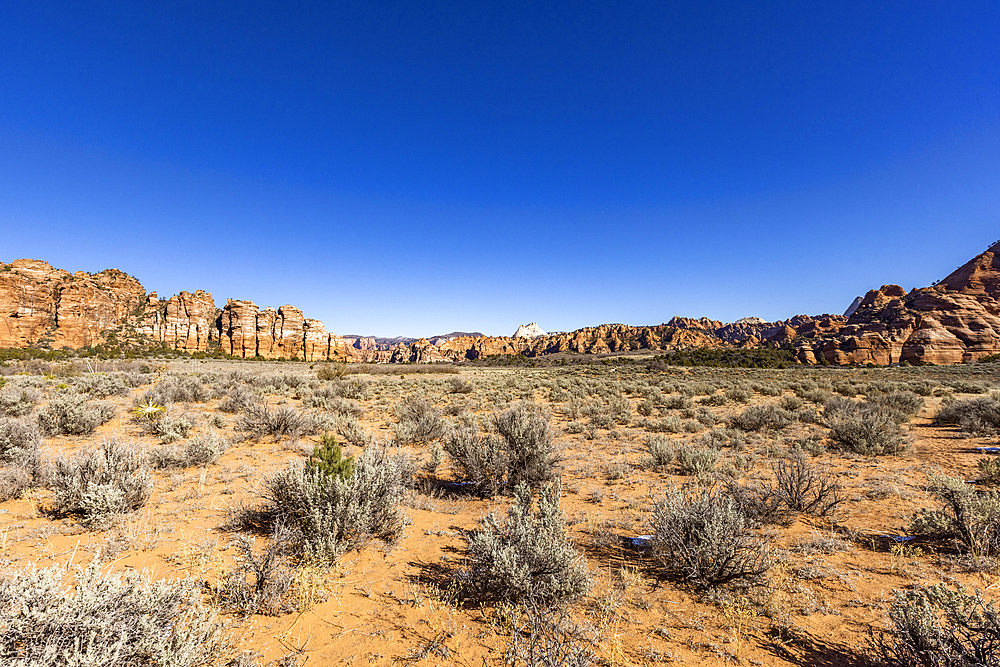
x: 412, y: 168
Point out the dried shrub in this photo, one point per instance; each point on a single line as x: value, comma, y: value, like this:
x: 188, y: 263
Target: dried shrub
x: 331, y: 371
x: 104, y: 620
x: 760, y: 503
x: 237, y: 398
x: 20, y: 440
x: 989, y: 469
x: 102, y: 385
x: 969, y: 517
x: 200, y: 450
x: 459, y: 385
x: 695, y: 461
x: 864, y: 429
x: 904, y: 405
x: 71, y: 414
x: 528, y: 439
x: 99, y: 485
x: 677, y: 402
x: 527, y: 553
x: 938, y: 626
x: 258, y: 421
x: 177, y: 389
x: 791, y: 403
x: 804, y: 488
x: 966, y: 386
x: 168, y: 428
x: 260, y: 582
x: 661, y: 451
x: 419, y: 421
x: 519, y: 449
x: 761, y: 417
x: 739, y: 394
x: 703, y: 538
x: 479, y: 460
x: 544, y: 636
x: 16, y: 479
x: 976, y: 416
x: 353, y: 431
x: 337, y: 397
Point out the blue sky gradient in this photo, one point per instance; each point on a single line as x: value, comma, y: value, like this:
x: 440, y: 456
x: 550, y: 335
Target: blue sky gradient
x: 400, y: 168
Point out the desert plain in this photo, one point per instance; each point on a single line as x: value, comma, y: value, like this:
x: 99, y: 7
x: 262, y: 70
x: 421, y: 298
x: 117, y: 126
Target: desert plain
x: 624, y: 434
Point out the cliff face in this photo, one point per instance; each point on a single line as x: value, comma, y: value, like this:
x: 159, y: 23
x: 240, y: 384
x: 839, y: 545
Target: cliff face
x: 185, y: 321
x: 40, y: 305
x: 955, y: 321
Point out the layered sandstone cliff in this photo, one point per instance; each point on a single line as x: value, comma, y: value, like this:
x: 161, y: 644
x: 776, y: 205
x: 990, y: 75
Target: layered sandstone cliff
x: 41, y: 306
x: 44, y: 306
x: 955, y: 321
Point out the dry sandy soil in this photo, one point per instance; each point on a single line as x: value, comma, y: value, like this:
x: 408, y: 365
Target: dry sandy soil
x: 387, y: 604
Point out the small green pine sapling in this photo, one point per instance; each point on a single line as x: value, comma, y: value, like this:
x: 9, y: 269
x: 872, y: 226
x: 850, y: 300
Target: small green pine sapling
x: 328, y: 459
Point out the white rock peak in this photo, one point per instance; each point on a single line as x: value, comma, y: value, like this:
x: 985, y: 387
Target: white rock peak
x: 529, y: 331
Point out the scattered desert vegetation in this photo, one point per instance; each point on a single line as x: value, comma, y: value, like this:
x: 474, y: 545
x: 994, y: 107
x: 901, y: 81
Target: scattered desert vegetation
x: 622, y: 512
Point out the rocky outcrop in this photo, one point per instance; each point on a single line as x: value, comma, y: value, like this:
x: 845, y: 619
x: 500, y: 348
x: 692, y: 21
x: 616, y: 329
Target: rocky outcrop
x: 185, y: 321
x: 957, y: 320
x: 48, y: 307
x: 249, y: 332
x: 954, y: 321
x: 753, y: 331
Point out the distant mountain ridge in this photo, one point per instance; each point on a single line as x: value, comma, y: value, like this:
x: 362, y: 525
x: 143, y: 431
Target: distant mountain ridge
x: 382, y: 343
x: 953, y: 321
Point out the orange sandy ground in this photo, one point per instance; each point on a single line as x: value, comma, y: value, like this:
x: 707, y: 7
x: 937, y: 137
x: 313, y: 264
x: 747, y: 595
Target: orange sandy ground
x: 390, y: 605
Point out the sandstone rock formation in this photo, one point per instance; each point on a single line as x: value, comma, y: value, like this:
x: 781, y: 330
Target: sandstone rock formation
x: 245, y: 330
x: 185, y: 321
x: 957, y: 320
x: 44, y: 306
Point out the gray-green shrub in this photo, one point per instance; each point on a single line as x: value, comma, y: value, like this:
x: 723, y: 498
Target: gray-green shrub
x: 72, y: 414
x: 695, y: 461
x: 528, y: 441
x: 969, y: 517
x: 330, y: 515
x: 104, y: 620
x: 419, y: 421
x: 527, y: 553
x: 258, y: 420
x: 101, y: 385
x: 480, y: 460
x: 704, y: 539
x: 97, y: 486
x: 660, y: 449
x: 200, y: 450
x: 20, y: 440
x: 760, y: 417
x: 864, y: 429
x: 978, y: 416
x: 18, y: 401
